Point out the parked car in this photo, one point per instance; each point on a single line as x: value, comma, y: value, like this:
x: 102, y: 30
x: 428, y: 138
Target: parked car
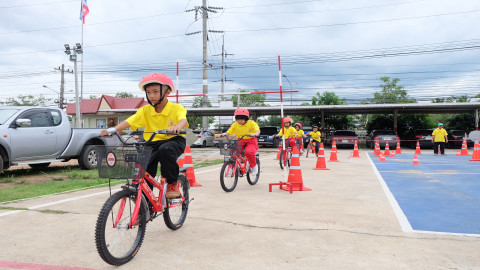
x: 265, y: 137
x: 383, y: 136
x: 205, y: 138
x: 455, y: 138
x: 424, y: 137
x: 38, y: 136
x: 344, y: 138
x: 217, y: 131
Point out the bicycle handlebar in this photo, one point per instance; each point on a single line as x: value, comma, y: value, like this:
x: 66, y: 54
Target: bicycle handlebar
x: 162, y: 131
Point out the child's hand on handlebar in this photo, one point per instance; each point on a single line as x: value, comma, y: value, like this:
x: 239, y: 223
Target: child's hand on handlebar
x: 174, y: 129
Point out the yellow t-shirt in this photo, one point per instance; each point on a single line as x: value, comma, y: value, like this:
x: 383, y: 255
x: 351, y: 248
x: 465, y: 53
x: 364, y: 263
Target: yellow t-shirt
x: 246, y: 129
x: 147, y: 117
x: 316, y: 136
x: 289, y: 132
x: 439, y: 134
x: 300, y: 133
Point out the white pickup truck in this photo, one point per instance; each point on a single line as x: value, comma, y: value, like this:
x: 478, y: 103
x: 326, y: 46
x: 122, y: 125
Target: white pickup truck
x: 38, y: 136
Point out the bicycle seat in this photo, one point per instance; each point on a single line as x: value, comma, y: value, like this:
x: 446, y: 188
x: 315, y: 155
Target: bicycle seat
x: 182, y: 169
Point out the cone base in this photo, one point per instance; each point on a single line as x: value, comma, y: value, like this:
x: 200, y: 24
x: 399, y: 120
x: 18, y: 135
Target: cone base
x: 333, y: 161
x: 195, y: 184
x: 295, y: 188
x: 474, y: 159
x: 321, y: 169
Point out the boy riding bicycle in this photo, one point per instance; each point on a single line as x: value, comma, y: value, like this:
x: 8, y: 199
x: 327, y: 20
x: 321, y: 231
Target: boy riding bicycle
x: 316, y: 138
x: 160, y: 114
x: 290, y: 132
x: 244, y: 126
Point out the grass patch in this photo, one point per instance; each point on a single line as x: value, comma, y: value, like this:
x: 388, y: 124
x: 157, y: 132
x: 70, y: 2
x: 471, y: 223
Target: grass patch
x: 30, y: 191
x: 207, y: 163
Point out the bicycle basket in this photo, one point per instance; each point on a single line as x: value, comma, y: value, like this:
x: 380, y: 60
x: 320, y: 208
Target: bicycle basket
x: 120, y: 161
x: 228, y: 147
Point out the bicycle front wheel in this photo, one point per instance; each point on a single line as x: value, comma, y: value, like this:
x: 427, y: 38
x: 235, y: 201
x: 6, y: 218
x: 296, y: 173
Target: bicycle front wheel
x: 228, y: 176
x: 176, y: 209
x: 284, y: 159
x: 308, y: 150
x: 254, y: 179
x: 116, y: 240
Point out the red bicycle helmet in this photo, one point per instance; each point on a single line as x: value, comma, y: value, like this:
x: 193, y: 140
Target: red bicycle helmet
x: 156, y: 78
x: 298, y: 124
x: 241, y: 111
x: 288, y: 119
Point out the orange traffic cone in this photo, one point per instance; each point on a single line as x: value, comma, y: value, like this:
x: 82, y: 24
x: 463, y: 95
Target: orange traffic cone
x: 333, y: 153
x: 398, y: 150
x: 464, y: 151
x: 377, y: 151
x: 392, y: 154
x: 387, y: 150
x: 295, y: 179
x: 476, y: 152
x: 321, y: 165
x: 415, y: 160
x: 459, y: 153
x: 355, y: 150
x: 180, y: 160
x: 278, y: 152
x: 417, y: 150
x: 188, y: 162
x: 382, y: 158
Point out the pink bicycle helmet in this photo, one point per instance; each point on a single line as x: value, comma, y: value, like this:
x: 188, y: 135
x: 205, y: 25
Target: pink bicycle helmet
x: 242, y: 111
x: 298, y: 124
x: 288, y: 119
x: 156, y: 78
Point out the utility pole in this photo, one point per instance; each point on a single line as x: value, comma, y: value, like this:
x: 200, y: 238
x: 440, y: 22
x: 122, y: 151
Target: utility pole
x: 204, y: 11
x: 62, y: 70
x: 205, y: 65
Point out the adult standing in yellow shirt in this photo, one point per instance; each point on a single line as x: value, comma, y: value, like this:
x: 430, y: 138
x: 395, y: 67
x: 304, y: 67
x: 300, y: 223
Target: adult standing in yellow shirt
x: 439, y: 138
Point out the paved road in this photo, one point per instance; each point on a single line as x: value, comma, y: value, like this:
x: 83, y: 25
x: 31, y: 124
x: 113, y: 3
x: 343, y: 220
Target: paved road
x: 345, y: 222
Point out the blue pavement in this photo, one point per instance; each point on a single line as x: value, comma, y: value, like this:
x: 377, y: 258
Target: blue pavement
x: 442, y: 194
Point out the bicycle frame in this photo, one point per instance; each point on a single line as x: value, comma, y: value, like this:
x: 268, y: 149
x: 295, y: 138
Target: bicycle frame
x: 240, y: 162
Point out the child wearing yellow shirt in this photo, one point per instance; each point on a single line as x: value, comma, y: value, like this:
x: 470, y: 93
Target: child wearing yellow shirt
x: 290, y: 132
x: 316, y: 138
x: 160, y: 114
x: 244, y: 126
x: 300, y: 135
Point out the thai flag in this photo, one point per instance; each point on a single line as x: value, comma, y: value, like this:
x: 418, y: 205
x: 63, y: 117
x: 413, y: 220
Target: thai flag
x: 83, y: 10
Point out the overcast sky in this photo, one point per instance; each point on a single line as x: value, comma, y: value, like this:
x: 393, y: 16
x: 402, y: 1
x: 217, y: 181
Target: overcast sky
x: 432, y: 46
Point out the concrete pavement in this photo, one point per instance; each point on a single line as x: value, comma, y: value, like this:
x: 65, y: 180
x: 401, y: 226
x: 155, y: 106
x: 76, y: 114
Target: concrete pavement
x: 345, y: 222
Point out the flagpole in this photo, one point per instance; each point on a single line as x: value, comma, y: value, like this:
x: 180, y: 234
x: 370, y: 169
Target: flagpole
x: 81, y: 82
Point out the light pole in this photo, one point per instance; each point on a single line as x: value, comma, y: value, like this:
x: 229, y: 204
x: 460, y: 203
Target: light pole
x: 291, y: 88
x: 57, y: 100
x: 73, y: 58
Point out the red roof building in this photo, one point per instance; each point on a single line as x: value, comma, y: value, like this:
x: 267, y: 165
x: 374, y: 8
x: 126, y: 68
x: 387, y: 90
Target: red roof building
x: 105, y: 111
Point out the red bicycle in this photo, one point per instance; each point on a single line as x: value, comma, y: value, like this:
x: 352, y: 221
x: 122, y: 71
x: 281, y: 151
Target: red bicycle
x: 235, y: 165
x: 286, y: 155
x: 121, y: 224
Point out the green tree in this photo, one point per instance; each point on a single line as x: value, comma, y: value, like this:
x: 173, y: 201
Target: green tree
x: 198, y: 103
x: 461, y: 121
x: 27, y: 100
x: 391, y: 93
x: 124, y: 95
x: 271, y: 120
x: 253, y: 100
x: 331, y: 121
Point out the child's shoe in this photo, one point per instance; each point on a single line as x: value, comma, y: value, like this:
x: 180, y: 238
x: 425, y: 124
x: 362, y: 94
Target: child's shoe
x: 255, y: 170
x: 172, y: 191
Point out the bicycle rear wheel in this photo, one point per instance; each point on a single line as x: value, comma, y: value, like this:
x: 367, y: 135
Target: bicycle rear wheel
x: 176, y: 209
x: 254, y: 179
x: 117, y: 242
x: 228, y: 176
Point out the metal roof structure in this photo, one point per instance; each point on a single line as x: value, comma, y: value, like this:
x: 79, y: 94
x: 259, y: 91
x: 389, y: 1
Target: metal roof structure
x: 406, y: 108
